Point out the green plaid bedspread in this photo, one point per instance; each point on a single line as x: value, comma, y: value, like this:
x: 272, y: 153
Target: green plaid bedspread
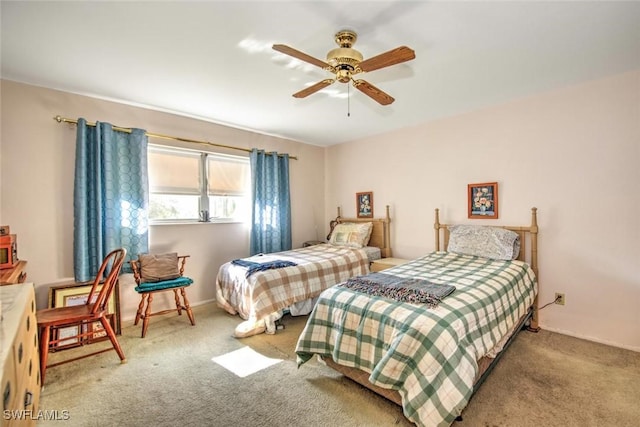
x: 428, y: 355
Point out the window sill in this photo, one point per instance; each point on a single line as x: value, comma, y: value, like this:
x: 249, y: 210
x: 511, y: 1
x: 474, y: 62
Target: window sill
x: 178, y: 222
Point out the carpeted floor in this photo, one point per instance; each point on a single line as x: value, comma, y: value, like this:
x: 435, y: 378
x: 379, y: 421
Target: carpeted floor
x: 170, y: 379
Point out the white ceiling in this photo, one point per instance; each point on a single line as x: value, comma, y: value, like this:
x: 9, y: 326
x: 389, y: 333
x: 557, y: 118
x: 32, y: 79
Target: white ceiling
x: 213, y: 60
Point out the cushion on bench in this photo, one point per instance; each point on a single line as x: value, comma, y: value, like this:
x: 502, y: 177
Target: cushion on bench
x: 180, y: 282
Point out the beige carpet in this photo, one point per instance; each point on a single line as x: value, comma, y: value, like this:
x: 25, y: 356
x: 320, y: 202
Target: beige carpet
x: 170, y: 380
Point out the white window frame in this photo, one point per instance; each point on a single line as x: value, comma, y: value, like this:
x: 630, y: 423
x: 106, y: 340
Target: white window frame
x: 203, y: 198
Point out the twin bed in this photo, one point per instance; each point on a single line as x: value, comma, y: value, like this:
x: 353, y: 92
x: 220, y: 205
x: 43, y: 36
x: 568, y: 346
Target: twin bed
x: 428, y: 358
x: 261, y: 297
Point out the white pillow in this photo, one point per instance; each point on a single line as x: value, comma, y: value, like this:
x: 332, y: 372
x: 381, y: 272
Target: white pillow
x: 353, y: 235
x: 487, y: 242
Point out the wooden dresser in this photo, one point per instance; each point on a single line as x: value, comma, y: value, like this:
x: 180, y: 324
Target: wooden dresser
x: 19, y: 356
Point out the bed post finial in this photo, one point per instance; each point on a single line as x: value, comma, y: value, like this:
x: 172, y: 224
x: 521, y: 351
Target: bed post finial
x: 339, y: 215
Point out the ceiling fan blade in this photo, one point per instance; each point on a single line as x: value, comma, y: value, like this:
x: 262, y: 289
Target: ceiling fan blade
x: 373, y: 92
x: 392, y: 57
x: 300, y: 55
x: 313, y: 89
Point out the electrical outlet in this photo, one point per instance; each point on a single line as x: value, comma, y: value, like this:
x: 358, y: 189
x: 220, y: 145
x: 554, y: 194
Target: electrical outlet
x: 559, y: 298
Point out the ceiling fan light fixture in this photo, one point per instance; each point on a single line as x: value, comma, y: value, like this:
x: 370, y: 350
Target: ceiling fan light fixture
x: 344, y: 56
x: 345, y: 62
x: 343, y: 74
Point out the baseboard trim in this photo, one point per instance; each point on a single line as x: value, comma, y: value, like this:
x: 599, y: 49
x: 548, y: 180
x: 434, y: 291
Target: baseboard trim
x: 593, y: 339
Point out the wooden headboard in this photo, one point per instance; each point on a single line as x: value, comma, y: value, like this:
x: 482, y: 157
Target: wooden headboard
x: 529, y: 254
x: 380, y: 234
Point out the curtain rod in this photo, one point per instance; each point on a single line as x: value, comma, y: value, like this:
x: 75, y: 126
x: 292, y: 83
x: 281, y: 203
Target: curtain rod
x: 61, y: 119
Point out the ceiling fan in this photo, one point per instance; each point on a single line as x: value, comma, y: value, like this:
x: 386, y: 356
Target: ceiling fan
x: 346, y: 62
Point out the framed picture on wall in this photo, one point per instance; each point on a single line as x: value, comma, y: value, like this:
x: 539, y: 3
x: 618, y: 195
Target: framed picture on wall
x: 482, y: 200
x: 76, y: 294
x: 364, y: 204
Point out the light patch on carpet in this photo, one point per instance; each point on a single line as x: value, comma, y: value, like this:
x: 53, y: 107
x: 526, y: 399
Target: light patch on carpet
x: 245, y: 361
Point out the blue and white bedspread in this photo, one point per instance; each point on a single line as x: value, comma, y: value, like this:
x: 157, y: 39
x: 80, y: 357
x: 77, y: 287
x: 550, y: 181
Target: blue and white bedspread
x: 428, y: 354
x: 254, y: 267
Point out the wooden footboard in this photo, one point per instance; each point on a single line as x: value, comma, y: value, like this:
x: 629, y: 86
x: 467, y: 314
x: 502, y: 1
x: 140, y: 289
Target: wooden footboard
x: 362, y: 378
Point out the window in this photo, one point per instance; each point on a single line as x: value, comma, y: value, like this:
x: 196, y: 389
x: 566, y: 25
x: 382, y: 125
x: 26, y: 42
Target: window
x: 189, y: 185
x: 228, y: 187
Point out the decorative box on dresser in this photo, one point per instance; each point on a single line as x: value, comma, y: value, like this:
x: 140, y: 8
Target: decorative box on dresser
x: 19, y: 356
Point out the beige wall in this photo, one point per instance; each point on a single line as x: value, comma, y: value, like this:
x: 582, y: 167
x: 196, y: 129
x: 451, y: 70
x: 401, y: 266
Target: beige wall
x: 36, y: 197
x: 572, y: 153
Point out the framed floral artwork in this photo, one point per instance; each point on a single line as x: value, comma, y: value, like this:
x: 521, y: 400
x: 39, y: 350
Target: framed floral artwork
x: 364, y: 204
x: 482, y: 200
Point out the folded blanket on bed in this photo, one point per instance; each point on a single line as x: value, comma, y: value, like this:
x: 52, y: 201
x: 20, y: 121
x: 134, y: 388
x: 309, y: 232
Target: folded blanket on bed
x: 400, y: 288
x: 253, y: 266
